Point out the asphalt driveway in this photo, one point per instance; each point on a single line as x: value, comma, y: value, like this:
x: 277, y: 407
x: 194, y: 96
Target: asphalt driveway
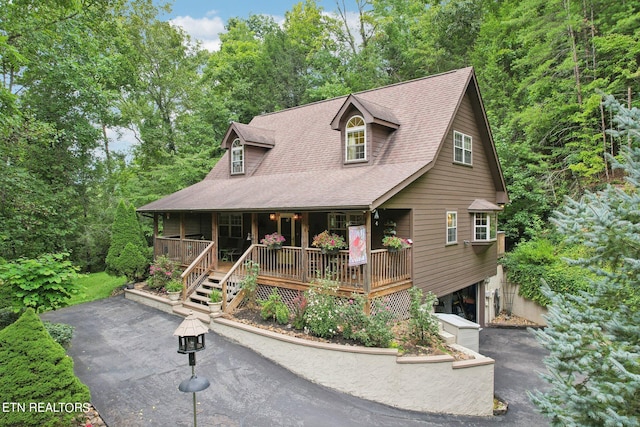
x: 126, y: 353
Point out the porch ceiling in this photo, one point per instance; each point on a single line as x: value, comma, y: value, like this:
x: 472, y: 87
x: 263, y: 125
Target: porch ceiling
x: 355, y: 188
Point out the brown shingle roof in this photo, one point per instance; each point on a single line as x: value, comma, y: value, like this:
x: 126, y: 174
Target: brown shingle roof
x: 305, y: 168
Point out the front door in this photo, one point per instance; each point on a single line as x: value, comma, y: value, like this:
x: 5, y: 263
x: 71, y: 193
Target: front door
x: 289, y: 228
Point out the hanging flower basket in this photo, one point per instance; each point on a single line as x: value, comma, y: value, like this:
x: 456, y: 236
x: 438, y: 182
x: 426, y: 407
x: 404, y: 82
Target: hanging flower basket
x: 396, y: 244
x: 327, y: 251
x: 273, y: 241
x: 329, y: 243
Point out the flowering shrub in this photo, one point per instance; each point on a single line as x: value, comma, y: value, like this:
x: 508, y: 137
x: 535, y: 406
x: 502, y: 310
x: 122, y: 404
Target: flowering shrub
x: 396, y: 242
x: 273, y: 239
x: 330, y: 241
x: 162, y: 271
x: 327, y: 315
x: 322, y: 315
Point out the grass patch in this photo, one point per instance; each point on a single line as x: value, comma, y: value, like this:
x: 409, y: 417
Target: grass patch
x: 96, y: 286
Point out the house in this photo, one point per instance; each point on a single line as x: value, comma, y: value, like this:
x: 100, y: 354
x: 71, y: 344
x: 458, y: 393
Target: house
x: 416, y: 159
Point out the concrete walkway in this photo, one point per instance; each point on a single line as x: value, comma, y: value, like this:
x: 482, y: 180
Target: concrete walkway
x: 126, y: 353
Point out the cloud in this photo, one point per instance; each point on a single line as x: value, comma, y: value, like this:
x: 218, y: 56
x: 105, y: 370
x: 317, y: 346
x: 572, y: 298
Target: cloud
x: 206, y: 29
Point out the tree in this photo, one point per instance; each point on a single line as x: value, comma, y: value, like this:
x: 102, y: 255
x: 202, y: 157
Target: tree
x: 593, y: 337
x: 128, y: 254
x: 42, y: 284
x: 34, y: 368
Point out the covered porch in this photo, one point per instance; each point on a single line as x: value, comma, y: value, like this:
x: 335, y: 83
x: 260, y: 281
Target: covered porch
x: 208, y: 242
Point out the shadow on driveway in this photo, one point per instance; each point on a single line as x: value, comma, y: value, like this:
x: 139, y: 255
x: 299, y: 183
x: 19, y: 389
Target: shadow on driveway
x: 126, y: 354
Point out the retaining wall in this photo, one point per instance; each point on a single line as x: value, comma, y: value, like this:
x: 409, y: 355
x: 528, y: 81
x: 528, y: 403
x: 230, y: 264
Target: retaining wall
x: 425, y: 384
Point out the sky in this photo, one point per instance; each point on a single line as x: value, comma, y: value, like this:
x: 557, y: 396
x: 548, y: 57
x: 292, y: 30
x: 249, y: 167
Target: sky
x: 204, y: 20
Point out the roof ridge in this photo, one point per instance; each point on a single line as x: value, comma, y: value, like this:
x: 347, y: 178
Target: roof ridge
x: 362, y: 92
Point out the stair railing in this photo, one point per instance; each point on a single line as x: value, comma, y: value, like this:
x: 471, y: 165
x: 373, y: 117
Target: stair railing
x: 197, y: 271
x: 232, y: 293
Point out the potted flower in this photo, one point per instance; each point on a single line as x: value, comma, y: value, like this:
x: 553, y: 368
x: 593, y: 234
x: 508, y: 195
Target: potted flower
x: 329, y: 243
x: 174, y: 289
x: 395, y: 243
x: 215, y: 302
x: 273, y: 240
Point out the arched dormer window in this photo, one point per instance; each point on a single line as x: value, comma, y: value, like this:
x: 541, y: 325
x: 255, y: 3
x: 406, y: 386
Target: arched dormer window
x: 356, y: 141
x: 237, y: 157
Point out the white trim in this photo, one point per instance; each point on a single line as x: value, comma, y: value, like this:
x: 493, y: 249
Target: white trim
x: 462, y: 146
x: 237, y: 149
x: 353, y: 129
x: 454, y: 227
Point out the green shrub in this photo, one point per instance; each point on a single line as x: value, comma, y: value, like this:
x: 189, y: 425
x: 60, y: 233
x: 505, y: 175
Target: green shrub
x: 536, y: 260
x: 128, y: 253
x: 274, y: 308
x: 376, y: 329
x: 423, y: 324
x: 250, y: 282
x: 45, y: 283
x: 35, y: 369
x: 60, y: 332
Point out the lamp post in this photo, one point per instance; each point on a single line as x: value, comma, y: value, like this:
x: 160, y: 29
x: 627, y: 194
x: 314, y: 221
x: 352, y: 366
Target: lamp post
x: 190, y: 335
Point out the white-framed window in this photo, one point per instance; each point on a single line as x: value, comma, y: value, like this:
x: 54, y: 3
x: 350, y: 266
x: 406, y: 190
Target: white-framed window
x: 356, y: 137
x: 462, y: 148
x: 452, y: 227
x: 485, y: 226
x: 237, y: 157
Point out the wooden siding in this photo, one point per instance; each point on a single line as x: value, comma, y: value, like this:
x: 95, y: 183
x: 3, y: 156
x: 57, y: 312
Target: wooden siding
x: 253, y: 156
x: 439, y: 267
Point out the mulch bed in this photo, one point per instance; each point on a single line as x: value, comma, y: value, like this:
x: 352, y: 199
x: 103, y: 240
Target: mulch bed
x: 506, y: 320
x: 408, y: 347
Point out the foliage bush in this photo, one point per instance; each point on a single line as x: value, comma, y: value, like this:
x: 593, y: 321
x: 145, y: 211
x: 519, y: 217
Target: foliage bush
x: 34, y: 368
x: 162, y: 271
x: 298, y: 307
x: 539, y: 259
x: 45, y: 283
x: 60, y: 332
x: 274, y: 308
x: 128, y: 253
x: 423, y: 324
x: 250, y: 282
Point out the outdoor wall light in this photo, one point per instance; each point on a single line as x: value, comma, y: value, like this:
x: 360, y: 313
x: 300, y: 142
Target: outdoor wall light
x: 272, y: 216
x: 190, y: 335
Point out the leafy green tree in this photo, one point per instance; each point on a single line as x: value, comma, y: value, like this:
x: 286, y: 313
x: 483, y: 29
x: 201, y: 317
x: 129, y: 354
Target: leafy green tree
x: 34, y: 368
x: 43, y: 284
x: 128, y: 254
x: 592, y: 337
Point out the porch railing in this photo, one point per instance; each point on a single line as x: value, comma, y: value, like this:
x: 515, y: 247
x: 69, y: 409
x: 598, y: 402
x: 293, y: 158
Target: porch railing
x: 303, y: 265
x: 184, y: 251
x: 197, y: 271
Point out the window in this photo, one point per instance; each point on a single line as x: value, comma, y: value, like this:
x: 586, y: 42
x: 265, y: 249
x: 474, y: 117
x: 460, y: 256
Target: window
x: 485, y: 226
x: 462, y: 145
x: 230, y: 225
x: 237, y: 157
x: 356, y: 140
x: 452, y: 227
x: 339, y: 222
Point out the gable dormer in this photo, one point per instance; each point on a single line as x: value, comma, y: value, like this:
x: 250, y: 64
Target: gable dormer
x: 363, y: 125
x: 247, y: 146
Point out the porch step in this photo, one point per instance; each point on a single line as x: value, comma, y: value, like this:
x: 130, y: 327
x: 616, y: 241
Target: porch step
x: 199, y: 310
x: 202, y: 295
